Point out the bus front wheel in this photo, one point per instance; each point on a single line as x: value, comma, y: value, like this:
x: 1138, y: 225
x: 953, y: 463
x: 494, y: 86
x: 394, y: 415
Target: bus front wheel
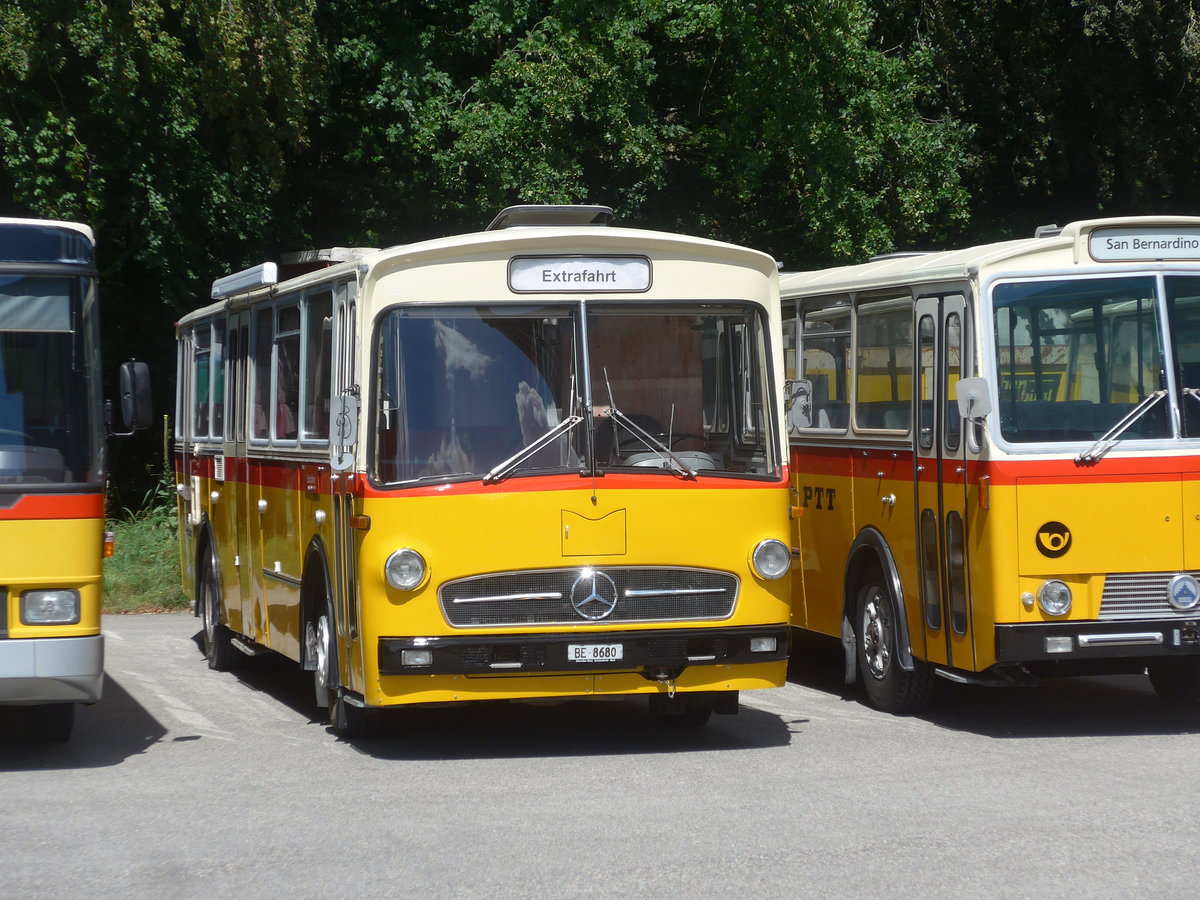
x: 1176, y: 680
x: 888, y: 686
x: 218, y: 640
x: 345, y: 719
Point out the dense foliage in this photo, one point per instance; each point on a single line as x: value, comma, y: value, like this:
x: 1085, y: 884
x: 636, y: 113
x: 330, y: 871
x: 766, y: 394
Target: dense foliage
x: 1075, y: 107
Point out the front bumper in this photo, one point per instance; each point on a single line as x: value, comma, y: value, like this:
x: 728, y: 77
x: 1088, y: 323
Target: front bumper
x: 51, y: 670
x: 651, y: 651
x: 1091, y: 640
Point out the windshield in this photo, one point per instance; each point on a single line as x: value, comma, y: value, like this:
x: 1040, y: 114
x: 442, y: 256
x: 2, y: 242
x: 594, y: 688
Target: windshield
x: 1075, y: 356
x: 49, y: 403
x: 490, y: 392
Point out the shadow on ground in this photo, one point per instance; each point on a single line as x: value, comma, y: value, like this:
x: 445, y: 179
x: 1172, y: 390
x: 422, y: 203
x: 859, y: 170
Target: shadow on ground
x: 105, y: 734
x: 1105, y: 706
x: 504, y: 729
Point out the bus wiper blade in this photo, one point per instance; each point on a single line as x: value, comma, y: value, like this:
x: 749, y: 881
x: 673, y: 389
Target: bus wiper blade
x: 661, y: 450
x: 506, y: 468
x: 658, y: 447
x: 1109, y: 439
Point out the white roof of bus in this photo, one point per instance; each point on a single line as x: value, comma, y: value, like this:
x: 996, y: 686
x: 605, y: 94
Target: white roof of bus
x: 85, y: 230
x: 961, y: 264
x: 548, y: 240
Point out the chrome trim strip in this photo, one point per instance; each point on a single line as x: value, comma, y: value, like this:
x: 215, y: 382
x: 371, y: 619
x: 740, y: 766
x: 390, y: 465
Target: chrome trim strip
x: 500, y: 598
x: 672, y: 592
x: 280, y: 577
x: 1131, y: 639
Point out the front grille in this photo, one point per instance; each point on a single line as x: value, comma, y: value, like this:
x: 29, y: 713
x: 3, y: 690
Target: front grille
x: 1140, y: 595
x: 544, y: 597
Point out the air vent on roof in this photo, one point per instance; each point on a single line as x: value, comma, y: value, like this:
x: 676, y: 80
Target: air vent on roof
x: 245, y: 280
x: 292, y: 265
x: 517, y: 216
x: 1044, y: 231
x: 328, y: 255
x: 900, y: 254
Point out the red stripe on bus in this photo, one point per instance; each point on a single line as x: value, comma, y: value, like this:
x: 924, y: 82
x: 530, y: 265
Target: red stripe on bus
x: 55, y: 506
x: 314, y: 477
x: 897, y: 464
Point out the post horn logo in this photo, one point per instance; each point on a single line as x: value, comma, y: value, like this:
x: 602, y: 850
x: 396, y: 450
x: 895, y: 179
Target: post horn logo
x: 1053, y: 540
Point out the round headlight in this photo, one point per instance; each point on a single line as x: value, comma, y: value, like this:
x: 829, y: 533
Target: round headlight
x: 771, y: 559
x: 1054, y: 598
x: 405, y: 569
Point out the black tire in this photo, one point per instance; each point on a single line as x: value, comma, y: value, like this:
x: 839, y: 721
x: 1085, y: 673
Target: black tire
x: 345, y: 719
x: 218, y: 640
x: 50, y: 723
x: 888, y: 687
x: 1176, y: 680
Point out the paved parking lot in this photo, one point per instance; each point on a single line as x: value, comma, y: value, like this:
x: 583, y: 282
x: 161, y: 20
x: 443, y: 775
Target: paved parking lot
x: 184, y: 782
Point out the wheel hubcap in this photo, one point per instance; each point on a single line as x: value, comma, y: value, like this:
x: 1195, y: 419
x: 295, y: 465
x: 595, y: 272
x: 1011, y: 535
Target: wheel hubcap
x: 209, y: 609
x: 877, y: 634
x: 323, y: 651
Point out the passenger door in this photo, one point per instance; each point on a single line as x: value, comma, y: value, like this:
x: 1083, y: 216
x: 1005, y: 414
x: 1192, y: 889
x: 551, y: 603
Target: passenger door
x: 940, y: 480
x: 344, y: 429
x: 235, y: 493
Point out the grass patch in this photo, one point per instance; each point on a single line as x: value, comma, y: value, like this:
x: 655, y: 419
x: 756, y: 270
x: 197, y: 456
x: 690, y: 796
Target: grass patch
x: 142, y: 575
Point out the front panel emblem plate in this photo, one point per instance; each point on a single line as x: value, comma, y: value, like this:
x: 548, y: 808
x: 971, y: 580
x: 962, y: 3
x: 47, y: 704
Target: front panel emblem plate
x: 1183, y: 592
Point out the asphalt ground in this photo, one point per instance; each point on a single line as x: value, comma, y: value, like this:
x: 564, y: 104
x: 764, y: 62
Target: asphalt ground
x: 184, y: 782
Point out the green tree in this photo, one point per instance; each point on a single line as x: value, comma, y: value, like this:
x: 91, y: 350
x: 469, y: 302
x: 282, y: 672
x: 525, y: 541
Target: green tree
x: 775, y: 124
x: 1077, y: 107
x: 167, y: 126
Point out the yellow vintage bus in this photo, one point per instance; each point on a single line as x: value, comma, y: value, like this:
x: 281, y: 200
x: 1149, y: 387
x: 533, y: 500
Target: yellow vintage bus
x: 52, y: 471
x: 997, y: 455
x: 542, y: 460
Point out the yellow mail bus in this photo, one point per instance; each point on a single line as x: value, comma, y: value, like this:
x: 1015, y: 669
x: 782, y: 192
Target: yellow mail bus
x: 542, y: 460
x: 52, y: 471
x: 997, y: 455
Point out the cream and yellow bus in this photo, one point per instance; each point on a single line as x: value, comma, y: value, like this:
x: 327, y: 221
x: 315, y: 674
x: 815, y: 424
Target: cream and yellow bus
x: 997, y: 455
x: 539, y: 461
x: 52, y: 471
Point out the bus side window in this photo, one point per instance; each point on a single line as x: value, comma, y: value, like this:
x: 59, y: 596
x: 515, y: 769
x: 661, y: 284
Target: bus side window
x: 884, y: 350
x: 220, y: 361
x: 262, y: 374
x: 317, y: 365
x: 201, y: 365
x: 824, y: 358
x: 287, y: 372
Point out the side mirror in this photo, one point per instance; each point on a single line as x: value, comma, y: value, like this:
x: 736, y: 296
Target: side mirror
x: 136, y: 407
x: 799, y: 404
x: 974, y: 401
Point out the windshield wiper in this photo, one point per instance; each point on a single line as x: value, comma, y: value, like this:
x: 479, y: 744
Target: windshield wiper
x: 654, y: 444
x: 506, y: 468
x: 1109, y: 439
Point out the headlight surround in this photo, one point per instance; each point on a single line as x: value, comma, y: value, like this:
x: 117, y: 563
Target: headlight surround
x: 53, y: 607
x: 405, y: 569
x: 1054, y: 597
x: 771, y: 559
